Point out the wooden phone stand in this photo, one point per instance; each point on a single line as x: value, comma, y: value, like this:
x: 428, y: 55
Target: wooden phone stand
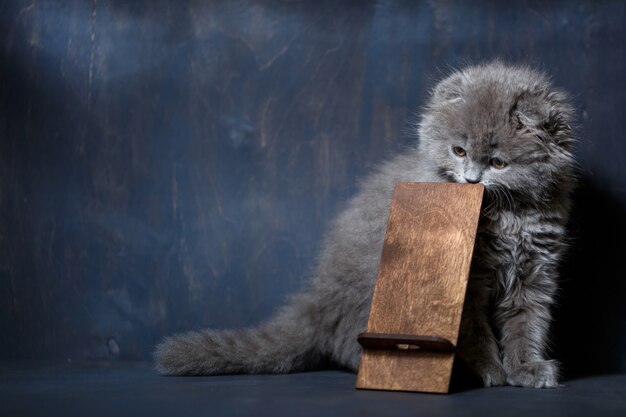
x: 418, y: 299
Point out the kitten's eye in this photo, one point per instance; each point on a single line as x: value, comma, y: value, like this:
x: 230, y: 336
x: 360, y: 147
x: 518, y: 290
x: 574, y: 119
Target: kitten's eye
x: 458, y: 151
x: 497, y: 163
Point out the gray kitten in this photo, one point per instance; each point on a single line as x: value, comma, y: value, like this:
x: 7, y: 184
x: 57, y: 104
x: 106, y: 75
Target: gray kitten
x: 503, y: 126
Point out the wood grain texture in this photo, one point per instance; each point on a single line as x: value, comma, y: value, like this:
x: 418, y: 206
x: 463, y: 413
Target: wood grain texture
x: 421, y: 283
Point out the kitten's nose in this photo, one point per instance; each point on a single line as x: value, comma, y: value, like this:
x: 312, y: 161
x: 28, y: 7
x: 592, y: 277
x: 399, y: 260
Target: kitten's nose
x: 472, y: 180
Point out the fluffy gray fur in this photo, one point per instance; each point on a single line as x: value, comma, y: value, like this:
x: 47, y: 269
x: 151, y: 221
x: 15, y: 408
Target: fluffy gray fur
x: 477, y: 119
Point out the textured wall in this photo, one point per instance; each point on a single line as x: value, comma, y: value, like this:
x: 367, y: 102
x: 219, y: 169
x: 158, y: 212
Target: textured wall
x: 167, y: 165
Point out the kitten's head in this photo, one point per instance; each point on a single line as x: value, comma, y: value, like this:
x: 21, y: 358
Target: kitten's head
x: 503, y: 126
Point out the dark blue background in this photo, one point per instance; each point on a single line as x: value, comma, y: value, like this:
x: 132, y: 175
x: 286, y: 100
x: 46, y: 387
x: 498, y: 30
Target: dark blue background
x: 168, y: 165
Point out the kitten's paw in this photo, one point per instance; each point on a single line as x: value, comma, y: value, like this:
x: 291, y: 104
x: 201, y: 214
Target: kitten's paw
x: 493, y: 375
x: 539, y: 374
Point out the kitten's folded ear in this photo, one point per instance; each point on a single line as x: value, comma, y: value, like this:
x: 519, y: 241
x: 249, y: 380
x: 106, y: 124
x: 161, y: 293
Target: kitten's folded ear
x: 547, y: 114
x: 449, y: 89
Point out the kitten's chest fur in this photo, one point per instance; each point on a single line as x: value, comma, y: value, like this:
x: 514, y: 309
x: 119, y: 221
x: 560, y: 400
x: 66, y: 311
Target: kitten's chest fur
x: 509, y: 245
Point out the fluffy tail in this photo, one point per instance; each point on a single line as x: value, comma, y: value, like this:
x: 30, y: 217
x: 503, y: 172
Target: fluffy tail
x: 284, y: 344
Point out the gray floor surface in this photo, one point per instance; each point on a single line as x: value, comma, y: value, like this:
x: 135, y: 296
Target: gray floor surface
x: 31, y: 389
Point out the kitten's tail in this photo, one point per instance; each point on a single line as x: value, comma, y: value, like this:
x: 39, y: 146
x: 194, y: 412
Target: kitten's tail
x: 284, y: 344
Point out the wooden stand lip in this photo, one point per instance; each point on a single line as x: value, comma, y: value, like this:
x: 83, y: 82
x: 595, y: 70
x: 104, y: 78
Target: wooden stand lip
x: 396, y: 341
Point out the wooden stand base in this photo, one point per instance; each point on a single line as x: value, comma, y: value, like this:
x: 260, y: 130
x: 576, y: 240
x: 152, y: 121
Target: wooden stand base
x: 418, y: 299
